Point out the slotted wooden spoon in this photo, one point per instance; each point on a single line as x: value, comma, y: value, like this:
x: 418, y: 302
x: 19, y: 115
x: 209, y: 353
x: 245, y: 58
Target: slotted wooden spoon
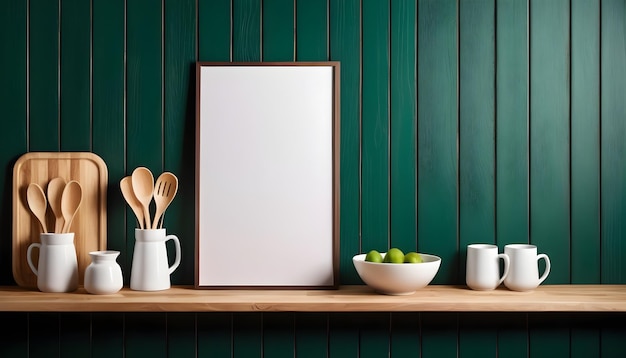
x: 37, y: 203
x: 164, y: 191
x: 55, y: 191
x: 70, y: 202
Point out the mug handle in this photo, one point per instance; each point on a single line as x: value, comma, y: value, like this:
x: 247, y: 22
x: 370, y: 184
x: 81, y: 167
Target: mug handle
x: 507, y: 262
x: 177, y: 246
x: 29, y: 259
x: 547, y: 270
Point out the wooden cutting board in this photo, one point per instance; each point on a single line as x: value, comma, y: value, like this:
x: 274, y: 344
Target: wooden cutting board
x: 89, y: 224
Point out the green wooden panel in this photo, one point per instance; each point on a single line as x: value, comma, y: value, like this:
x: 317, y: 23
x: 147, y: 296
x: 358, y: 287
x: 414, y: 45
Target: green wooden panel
x: 512, y: 217
x: 405, y: 334
x: 43, y: 334
x: 311, y: 334
x: 247, y: 335
x: 585, y: 127
x: 75, y: 75
x: 477, y: 126
x: 43, y: 76
x: 513, y: 335
x: 437, y: 134
x: 278, y: 334
x: 374, y: 334
x: 549, y: 133
x: 75, y: 334
x: 214, y: 30
x: 278, y: 30
x: 246, y: 45
x: 181, y: 334
x: 311, y: 30
x: 548, y: 335
x: 613, y: 149
x: 478, y: 336
x: 512, y: 122
x: 439, y: 334
x: 107, y: 334
x: 343, y: 336
x: 13, y: 140
x: 214, y: 334
x: 179, y: 122
x: 14, y: 342
x: 403, y: 126
x: 145, y: 335
x: 585, y: 342
x: 109, y: 117
x: 345, y: 47
x: 375, y: 127
x: 612, y: 336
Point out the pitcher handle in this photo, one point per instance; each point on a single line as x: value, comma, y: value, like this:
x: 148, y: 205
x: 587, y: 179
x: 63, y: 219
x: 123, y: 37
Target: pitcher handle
x: 547, y: 270
x: 29, y: 259
x: 177, y: 246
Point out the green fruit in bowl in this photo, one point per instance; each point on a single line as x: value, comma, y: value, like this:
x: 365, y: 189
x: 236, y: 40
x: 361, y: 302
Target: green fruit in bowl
x: 394, y: 256
x: 374, y: 256
x: 413, y: 258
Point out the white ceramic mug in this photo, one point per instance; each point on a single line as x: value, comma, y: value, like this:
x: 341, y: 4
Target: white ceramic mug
x: 482, y: 270
x: 150, y: 269
x: 524, y: 272
x: 57, y: 267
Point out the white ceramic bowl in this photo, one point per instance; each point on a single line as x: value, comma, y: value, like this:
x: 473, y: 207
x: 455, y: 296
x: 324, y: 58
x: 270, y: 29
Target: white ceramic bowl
x: 397, y: 279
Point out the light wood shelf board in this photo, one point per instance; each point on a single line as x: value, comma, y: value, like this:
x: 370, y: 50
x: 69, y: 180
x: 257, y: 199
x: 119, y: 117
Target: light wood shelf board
x: 433, y: 298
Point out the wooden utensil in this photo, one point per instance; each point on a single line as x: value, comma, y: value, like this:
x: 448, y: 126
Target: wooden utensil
x: 37, y: 203
x: 126, y: 186
x: 70, y: 202
x: 55, y: 191
x: 143, y: 187
x: 164, y: 191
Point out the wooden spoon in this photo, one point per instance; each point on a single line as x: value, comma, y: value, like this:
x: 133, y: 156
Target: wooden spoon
x: 143, y: 186
x: 126, y: 186
x: 55, y: 191
x: 70, y: 202
x: 164, y: 191
x: 37, y: 203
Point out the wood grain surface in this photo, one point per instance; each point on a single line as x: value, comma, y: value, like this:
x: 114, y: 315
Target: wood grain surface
x: 89, y: 224
x: 351, y: 298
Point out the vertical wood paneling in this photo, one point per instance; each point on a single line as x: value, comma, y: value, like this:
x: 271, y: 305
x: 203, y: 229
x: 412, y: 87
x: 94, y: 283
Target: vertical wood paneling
x: 107, y: 335
x: 345, y: 33
x: 437, y: 134
x: 278, y: 335
x: 311, y: 30
x: 214, y: 334
x: 512, y: 122
x: 343, y: 336
x: 13, y: 97
x: 43, y: 60
x: 145, y: 335
x: 181, y: 334
x: 247, y: 335
x: 311, y: 335
x: 585, y: 142
x: 75, y: 75
x: 405, y: 334
x: 278, y: 30
x: 375, y: 127
x: 214, y: 30
x: 43, y: 334
x: 439, y: 335
x: 14, y: 342
x: 374, y: 334
x: 613, y: 169
x: 179, y: 122
x: 403, y: 125
x: 550, y: 134
x: 246, y: 45
x: 75, y: 334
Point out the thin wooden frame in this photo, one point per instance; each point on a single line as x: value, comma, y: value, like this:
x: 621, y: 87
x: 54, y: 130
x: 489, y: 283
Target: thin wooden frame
x: 267, y: 175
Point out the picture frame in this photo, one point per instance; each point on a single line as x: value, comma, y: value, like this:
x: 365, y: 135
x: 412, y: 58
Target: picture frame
x: 267, y: 175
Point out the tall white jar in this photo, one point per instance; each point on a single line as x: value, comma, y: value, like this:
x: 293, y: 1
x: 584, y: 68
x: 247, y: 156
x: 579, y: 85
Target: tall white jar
x: 103, y: 276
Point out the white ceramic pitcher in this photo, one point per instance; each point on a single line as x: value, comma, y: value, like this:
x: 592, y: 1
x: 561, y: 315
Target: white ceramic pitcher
x: 150, y: 269
x: 57, y: 268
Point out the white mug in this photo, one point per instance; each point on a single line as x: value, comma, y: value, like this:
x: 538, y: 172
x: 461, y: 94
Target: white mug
x: 524, y: 272
x: 57, y: 267
x: 150, y: 269
x: 483, y: 267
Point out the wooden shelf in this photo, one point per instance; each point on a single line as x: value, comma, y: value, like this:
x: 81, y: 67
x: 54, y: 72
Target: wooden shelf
x: 546, y: 298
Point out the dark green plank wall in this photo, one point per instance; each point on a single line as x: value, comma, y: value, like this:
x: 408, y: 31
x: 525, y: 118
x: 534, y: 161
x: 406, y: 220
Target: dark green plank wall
x: 462, y: 121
